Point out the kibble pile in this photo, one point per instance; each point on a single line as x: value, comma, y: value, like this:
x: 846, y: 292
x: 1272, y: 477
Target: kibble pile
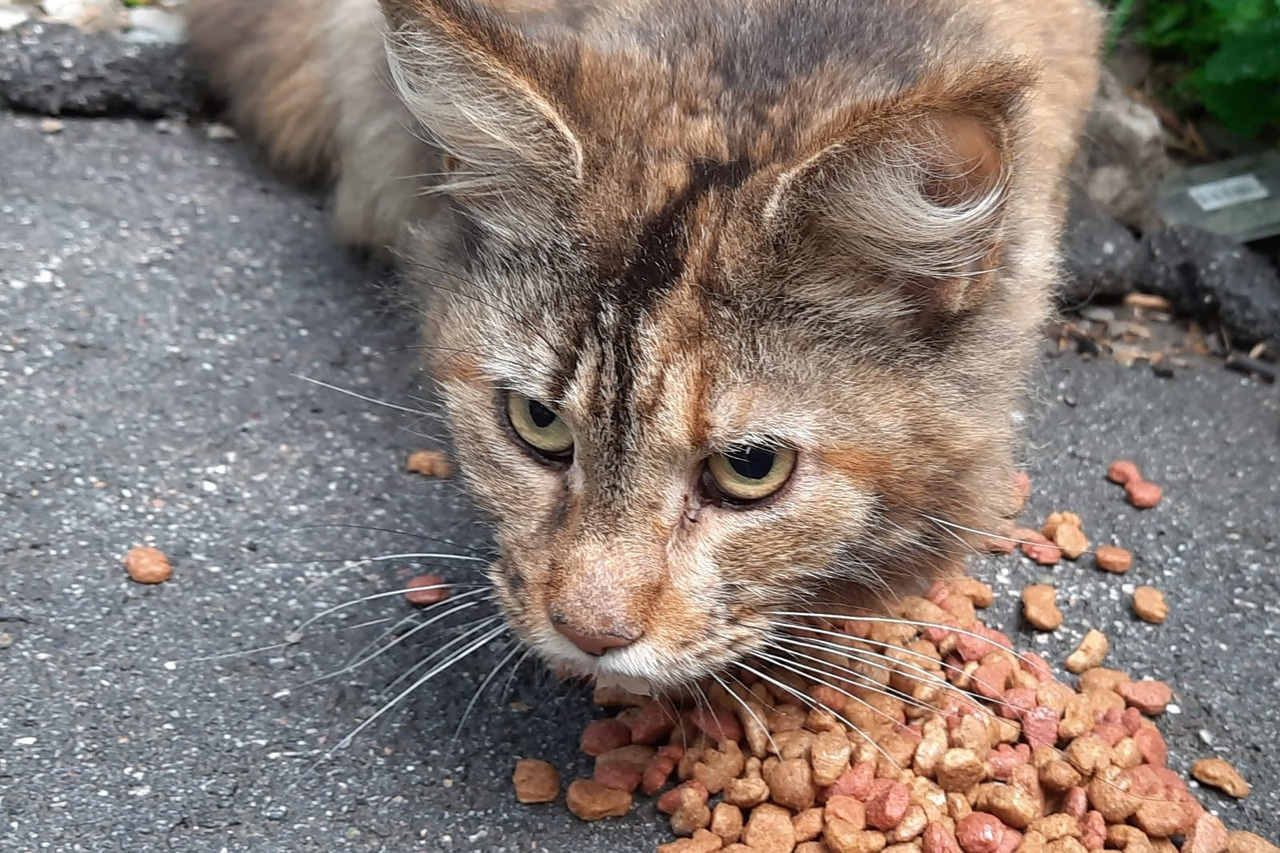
x: 945, y: 741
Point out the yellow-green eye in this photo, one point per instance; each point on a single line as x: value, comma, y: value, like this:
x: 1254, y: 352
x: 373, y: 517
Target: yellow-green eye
x: 538, y: 426
x: 750, y: 473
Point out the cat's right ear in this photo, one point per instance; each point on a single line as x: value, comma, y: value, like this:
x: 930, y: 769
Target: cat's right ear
x: 482, y: 93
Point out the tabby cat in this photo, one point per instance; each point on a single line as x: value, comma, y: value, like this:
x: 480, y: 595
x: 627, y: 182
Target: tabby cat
x: 730, y: 303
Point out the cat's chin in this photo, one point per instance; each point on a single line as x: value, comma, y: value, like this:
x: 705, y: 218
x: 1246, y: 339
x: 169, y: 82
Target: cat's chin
x: 638, y: 686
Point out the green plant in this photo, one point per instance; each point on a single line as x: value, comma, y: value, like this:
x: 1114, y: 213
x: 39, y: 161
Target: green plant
x: 1227, y: 53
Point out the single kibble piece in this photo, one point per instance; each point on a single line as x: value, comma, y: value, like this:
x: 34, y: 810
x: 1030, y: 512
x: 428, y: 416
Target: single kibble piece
x: 1221, y: 775
x: 1149, y: 604
x: 590, y: 800
x: 1149, y: 697
x: 429, y: 463
x: 1071, y: 540
x: 535, y: 781
x: 147, y: 565
x: 1090, y: 653
x: 1122, y: 471
x: 1240, y: 841
x: 425, y: 589
x: 1142, y: 494
x: 1040, y: 607
x: 1112, y: 559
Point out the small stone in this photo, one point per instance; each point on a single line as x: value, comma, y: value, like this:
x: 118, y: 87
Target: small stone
x: 51, y: 125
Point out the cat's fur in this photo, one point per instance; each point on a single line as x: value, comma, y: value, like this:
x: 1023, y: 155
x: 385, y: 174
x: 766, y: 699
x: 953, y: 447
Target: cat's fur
x: 686, y: 224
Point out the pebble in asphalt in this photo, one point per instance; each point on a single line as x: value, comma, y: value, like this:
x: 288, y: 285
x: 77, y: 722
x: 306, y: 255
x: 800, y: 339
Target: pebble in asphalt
x: 159, y: 297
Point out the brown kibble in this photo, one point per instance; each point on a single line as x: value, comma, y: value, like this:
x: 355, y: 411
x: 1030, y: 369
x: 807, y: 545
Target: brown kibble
x: 1207, y: 835
x: 691, y: 813
x: 1112, y: 559
x: 841, y: 838
x: 1014, y: 806
x: 1246, y: 842
x: 808, y: 824
x: 1071, y: 540
x: 1059, y: 775
x: 829, y: 753
x: 981, y: 594
x: 425, y: 590
x: 1160, y: 818
x: 769, y: 830
x: 1123, y: 471
x: 1040, y: 606
x: 535, y: 781
x: 429, y: 463
x: 1090, y: 653
x: 959, y: 770
x: 589, y: 800
x: 147, y: 565
x: 701, y: 842
x: 980, y: 833
x: 1142, y: 494
x: 1058, y: 520
x: 1221, y: 775
x: 746, y: 793
x: 790, y: 783
x: 1148, y: 696
x: 726, y: 822
x: 1149, y: 605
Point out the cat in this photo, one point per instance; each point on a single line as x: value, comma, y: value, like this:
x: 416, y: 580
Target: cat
x: 730, y: 303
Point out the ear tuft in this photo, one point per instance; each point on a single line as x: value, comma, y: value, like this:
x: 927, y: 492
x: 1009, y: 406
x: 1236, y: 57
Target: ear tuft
x: 480, y: 91
x: 914, y: 192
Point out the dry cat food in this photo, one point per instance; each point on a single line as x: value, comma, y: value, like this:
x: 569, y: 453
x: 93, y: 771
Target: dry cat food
x: 147, y: 565
x: 1149, y: 605
x: 536, y: 781
x: 429, y: 463
x: 909, y: 740
x: 1112, y: 559
x: 1140, y: 492
x: 1040, y: 607
x: 425, y: 589
x: 1221, y: 775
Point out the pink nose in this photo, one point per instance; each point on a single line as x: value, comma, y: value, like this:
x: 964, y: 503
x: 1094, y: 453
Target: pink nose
x: 594, y: 644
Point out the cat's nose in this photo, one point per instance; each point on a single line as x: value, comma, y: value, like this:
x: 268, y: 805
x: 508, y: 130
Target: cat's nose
x: 594, y: 644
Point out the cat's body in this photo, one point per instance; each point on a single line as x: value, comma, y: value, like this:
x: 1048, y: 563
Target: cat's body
x: 730, y: 301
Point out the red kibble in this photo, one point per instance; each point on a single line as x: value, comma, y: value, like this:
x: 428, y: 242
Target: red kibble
x: 620, y: 777
x: 939, y: 839
x: 1016, y: 702
x: 888, y: 803
x: 1093, y: 830
x: 1003, y: 758
x: 1040, y: 726
x: 1148, y: 696
x: 600, y: 736
x: 1122, y: 471
x: 1036, y: 665
x: 425, y: 589
x: 1142, y: 494
x: 1076, y: 802
x: 656, y: 774
x: 980, y: 833
x: 670, y: 801
x: 990, y: 679
x: 854, y: 782
x: 717, y: 724
x: 652, y: 722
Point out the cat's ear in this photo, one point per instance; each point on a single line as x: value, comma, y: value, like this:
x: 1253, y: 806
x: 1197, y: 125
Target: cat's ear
x: 913, y: 192
x: 480, y: 90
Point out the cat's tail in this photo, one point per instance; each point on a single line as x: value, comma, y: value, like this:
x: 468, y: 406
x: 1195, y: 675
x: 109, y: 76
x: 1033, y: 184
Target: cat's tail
x: 268, y: 59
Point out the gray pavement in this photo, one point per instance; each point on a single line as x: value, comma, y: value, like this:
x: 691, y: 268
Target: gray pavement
x: 159, y: 295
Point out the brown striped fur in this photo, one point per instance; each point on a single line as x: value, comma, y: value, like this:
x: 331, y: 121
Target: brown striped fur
x: 686, y: 224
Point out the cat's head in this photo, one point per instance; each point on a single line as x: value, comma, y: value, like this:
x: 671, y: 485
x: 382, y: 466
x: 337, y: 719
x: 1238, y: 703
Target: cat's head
x: 728, y: 343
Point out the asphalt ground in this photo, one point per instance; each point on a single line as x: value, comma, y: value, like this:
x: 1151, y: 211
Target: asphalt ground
x: 160, y: 296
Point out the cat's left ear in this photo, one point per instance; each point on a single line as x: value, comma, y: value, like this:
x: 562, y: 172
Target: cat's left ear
x: 484, y: 95
x: 914, y: 191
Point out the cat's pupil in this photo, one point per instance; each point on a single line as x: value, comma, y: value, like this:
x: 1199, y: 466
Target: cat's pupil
x: 541, y: 416
x: 752, y: 463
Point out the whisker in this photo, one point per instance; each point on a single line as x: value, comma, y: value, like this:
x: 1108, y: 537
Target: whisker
x: 358, y: 396
x: 472, y: 628
x: 747, y: 707
x: 813, y: 703
x: 791, y: 666
x: 337, y: 608
x: 864, y: 680
x: 475, y: 697
x: 402, y: 695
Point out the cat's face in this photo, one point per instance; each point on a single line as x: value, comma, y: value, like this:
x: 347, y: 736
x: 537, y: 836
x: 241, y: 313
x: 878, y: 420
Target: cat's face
x: 707, y: 380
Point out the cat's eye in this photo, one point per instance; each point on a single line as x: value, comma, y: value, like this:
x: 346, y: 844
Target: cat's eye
x: 539, y: 427
x: 750, y: 473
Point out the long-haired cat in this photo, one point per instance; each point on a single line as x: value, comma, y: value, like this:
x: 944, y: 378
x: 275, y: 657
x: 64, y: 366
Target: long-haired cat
x: 730, y: 302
